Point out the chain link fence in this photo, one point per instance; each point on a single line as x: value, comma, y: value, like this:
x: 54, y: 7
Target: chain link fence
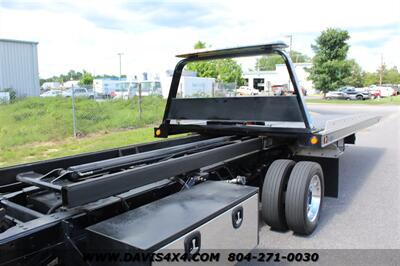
x: 93, y: 114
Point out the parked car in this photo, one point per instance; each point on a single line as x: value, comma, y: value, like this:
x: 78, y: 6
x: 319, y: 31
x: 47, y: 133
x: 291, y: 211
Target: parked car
x: 246, y: 91
x: 356, y: 93
x: 78, y: 92
x: 345, y: 88
x: 51, y: 93
x: 337, y: 95
x: 279, y: 89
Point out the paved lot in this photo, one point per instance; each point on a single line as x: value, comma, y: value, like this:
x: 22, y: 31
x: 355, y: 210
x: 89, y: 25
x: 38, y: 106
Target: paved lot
x: 367, y: 212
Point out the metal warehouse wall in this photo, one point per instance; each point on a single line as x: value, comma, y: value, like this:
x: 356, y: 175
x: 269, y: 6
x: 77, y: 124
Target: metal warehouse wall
x: 19, y: 67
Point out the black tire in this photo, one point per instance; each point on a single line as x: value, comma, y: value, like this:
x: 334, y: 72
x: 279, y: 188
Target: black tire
x: 272, y: 199
x: 297, y: 195
x: 359, y: 97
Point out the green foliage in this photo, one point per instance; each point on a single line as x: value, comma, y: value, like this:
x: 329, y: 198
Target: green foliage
x: 71, y: 75
x: 108, y: 76
x: 12, y: 92
x: 229, y: 71
x: 199, y: 45
x: 86, y: 79
x: 389, y: 76
x: 223, y: 70
x: 265, y: 63
x: 298, y: 57
x: 356, y: 76
x: 330, y: 67
x: 370, y: 78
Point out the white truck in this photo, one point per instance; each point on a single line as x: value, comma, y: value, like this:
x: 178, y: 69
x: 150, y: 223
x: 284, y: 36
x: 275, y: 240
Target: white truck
x: 104, y: 87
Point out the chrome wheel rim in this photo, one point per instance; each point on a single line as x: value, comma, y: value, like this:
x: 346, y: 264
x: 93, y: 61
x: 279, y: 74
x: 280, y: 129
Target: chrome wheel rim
x: 313, y: 198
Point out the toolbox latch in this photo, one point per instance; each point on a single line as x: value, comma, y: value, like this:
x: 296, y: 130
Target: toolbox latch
x: 192, y: 244
x: 237, y: 217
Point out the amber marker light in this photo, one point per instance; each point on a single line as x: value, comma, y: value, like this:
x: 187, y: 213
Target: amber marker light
x: 313, y: 140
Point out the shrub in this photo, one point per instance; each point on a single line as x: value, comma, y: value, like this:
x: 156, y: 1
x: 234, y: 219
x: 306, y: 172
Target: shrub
x: 12, y: 92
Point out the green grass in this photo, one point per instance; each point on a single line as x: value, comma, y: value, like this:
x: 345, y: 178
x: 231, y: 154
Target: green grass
x: 34, y: 129
x: 395, y: 100
x: 53, y: 149
x: 50, y: 119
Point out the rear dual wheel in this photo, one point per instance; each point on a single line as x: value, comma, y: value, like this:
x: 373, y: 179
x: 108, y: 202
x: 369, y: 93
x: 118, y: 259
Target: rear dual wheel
x: 275, y: 182
x: 292, y: 195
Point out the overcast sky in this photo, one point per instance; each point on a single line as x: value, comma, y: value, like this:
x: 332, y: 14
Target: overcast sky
x: 80, y: 34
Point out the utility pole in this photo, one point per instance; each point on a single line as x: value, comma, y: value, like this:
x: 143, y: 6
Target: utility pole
x: 290, y: 43
x: 120, y: 72
x: 73, y: 109
x: 381, y: 71
x: 140, y: 101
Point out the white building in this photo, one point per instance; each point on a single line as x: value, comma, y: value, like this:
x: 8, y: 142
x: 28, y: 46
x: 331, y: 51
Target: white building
x: 195, y: 87
x: 19, y: 67
x: 51, y: 85
x: 189, y: 85
x: 265, y: 80
x: 71, y: 83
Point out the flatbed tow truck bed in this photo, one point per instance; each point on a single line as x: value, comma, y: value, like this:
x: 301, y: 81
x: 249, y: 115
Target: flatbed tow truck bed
x: 239, y: 150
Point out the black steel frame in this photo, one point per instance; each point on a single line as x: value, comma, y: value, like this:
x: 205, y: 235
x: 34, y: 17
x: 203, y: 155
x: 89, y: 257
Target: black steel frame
x: 8, y: 182
x: 79, y: 193
x: 166, y: 128
x: 85, y: 203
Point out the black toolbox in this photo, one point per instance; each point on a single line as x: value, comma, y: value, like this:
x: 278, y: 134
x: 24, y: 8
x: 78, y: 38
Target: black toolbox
x: 214, y: 215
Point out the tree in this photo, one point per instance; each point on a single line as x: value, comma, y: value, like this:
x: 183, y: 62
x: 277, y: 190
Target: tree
x: 86, y: 79
x: 370, y: 78
x: 298, y: 57
x: 199, y: 45
x: 269, y: 62
x: 229, y: 71
x: 391, y: 76
x: 330, y: 67
x: 223, y: 70
x: 356, y: 76
x: 105, y: 76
